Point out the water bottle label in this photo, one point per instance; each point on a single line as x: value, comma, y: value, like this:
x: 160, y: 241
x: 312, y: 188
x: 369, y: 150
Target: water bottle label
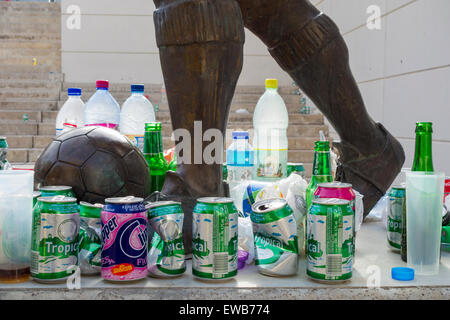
x: 106, y: 125
x: 271, y: 163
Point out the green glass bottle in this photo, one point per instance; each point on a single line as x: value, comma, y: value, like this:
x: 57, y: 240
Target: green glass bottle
x: 423, y: 161
x: 321, y: 169
x: 153, y: 153
x: 173, y: 163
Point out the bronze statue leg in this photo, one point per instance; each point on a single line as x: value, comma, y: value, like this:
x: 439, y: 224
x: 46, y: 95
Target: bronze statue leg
x: 201, y: 50
x: 308, y: 45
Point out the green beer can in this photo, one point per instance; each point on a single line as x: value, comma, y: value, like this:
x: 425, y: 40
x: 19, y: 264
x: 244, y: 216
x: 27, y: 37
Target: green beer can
x: 90, y: 251
x: 297, y: 168
x: 54, y: 239
x: 36, y: 195
x: 51, y: 191
x: 330, y: 240
x: 397, y: 206
x: 214, y: 239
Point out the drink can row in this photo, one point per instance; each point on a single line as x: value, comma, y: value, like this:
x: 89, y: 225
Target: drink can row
x: 215, y: 239
x: 330, y: 240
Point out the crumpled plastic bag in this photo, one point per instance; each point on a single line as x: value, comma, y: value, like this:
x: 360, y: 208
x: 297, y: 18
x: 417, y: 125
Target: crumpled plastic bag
x: 380, y: 211
x: 245, y: 238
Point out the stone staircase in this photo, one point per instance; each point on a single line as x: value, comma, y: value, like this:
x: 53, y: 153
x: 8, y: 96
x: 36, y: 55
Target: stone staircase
x: 32, y: 90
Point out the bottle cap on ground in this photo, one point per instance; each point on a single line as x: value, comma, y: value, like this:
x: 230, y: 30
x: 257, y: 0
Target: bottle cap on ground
x: 74, y: 92
x: 137, y: 88
x: 402, y: 274
x: 102, y: 84
x: 240, y: 135
x: 271, y: 83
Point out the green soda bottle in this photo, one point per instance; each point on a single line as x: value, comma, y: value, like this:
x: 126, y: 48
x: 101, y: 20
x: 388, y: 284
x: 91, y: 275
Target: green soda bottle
x: 153, y: 153
x: 423, y: 161
x: 321, y: 169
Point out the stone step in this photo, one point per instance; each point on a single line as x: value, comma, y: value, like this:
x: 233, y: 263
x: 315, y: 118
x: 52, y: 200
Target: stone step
x: 29, y: 46
x: 51, y: 93
x: 29, y: 9
x: 30, y: 104
x: 28, y: 142
x: 31, y: 76
x: 26, y: 66
x: 30, y: 85
x: 156, y: 88
x: 25, y: 116
x: 23, y: 155
x: 30, y: 128
x: 31, y: 26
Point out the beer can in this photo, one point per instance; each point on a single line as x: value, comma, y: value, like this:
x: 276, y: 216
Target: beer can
x: 297, y: 168
x: 90, y: 253
x: 336, y: 190
x: 214, y: 239
x: 397, y: 206
x: 55, y: 240
x: 447, y: 188
x: 50, y: 191
x: 124, y: 239
x: 36, y: 195
x: 275, y: 236
x: 166, y: 257
x: 330, y: 240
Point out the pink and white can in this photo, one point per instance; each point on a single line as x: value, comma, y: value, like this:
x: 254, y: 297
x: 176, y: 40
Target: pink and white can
x: 124, y: 239
x: 336, y: 190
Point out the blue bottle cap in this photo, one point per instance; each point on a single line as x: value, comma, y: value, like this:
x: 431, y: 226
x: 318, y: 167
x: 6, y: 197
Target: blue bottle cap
x: 402, y: 274
x: 240, y: 135
x: 74, y: 92
x: 137, y: 88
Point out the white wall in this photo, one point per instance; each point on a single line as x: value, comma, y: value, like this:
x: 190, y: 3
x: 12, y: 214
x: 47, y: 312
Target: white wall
x: 117, y: 41
x: 403, y: 70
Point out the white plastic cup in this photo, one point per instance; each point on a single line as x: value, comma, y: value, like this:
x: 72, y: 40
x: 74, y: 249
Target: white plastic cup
x: 16, y: 206
x: 424, y: 196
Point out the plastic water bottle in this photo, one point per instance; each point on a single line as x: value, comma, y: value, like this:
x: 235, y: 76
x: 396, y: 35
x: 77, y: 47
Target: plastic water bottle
x: 240, y: 159
x: 137, y: 110
x: 102, y: 109
x: 270, y: 122
x: 71, y: 112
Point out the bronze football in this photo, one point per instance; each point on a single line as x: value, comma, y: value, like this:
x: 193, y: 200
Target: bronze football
x: 97, y: 162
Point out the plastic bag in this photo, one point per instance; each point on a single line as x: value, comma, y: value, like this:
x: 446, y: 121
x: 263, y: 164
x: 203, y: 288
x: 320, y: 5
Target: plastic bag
x: 245, y: 238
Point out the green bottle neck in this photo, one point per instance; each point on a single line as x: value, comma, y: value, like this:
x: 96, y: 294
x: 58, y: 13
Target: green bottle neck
x: 423, y: 159
x: 153, y: 143
x: 321, y: 164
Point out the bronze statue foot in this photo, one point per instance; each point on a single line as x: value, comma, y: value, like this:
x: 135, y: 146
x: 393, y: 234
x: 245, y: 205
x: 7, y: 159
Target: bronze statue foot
x: 368, y: 174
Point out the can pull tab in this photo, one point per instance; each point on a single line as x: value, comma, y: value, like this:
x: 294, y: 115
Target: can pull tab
x: 128, y: 198
x: 58, y: 198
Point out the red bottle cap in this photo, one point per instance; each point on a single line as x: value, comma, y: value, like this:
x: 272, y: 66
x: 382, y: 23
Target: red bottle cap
x: 447, y: 185
x: 102, y: 84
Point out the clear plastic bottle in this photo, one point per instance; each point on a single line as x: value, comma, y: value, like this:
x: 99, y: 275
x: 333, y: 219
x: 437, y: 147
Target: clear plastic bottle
x: 102, y: 109
x: 270, y: 122
x: 71, y: 112
x: 240, y: 159
x: 137, y: 110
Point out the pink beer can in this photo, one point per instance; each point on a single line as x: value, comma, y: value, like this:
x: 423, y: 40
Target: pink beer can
x: 124, y: 239
x: 336, y: 190
x: 447, y: 188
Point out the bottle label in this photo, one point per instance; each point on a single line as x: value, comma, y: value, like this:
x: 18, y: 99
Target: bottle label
x: 271, y: 163
x: 106, y: 125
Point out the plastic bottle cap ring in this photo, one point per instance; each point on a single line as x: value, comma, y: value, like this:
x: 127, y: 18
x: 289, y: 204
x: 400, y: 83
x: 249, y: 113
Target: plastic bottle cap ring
x: 402, y: 274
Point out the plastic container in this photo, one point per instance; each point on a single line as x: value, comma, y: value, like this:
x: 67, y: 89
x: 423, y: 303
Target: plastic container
x: 424, y: 194
x: 102, y: 109
x: 137, y: 110
x: 270, y: 122
x: 240, y: 159
x: 16, y: 205
x: 70, y: 116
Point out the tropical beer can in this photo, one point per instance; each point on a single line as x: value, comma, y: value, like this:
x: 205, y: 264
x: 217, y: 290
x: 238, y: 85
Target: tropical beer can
x: 275, y: 236
x: 336, y: 190
x: 124, y: 239
x: 214, y: 239
x: 166, y: 257
x: 397, y: 206
x: 297, y: 168
x: 90, y: 254
x: 55, y: 240
x: 330, y: 240
x: 50, y: 191
x: 36, y: 195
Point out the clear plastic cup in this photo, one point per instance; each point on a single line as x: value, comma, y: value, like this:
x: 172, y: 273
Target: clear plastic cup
x: 16, y: 205
x: 424, y: 196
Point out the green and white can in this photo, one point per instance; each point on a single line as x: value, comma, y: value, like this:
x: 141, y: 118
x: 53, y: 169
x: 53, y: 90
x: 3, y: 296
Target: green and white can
x: 397, y: 206
x: 214, y: 239
x: 55, y: 239
x: 166, y: 257
x: 90, y: 252
x: 330, y: 240
x: 275, y: 236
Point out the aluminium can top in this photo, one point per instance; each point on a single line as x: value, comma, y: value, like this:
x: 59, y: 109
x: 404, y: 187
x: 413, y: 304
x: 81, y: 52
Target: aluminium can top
x: 215, y: 200
x: 268, y: 205
x: 124, y: 200
x: 331, y: 202
x: 335, y: 185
